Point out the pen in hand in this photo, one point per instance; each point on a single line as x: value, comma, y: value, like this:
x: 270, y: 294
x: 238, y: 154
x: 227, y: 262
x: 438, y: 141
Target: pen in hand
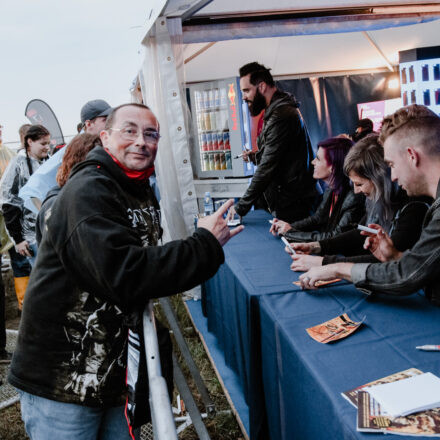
x: 242, y: 154
x: 292, y: 251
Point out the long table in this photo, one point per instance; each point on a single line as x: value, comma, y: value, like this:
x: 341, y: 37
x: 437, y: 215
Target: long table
x: 291, y: 383
x: 256, y: 265
x: 303, y: 379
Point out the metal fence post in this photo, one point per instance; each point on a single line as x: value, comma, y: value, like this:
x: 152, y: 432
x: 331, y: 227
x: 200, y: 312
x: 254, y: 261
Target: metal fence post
x: 164, y: 427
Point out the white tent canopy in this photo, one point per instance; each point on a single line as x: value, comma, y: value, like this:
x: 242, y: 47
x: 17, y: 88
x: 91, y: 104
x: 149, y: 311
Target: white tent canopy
x: 204, y: 40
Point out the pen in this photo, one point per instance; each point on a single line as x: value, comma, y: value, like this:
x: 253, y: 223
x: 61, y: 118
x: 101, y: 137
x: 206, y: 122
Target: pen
x: 288, y: 245
x: 240, y: 155
x: 366, y: 229
x: 270, y: 221
x: 429, y: 347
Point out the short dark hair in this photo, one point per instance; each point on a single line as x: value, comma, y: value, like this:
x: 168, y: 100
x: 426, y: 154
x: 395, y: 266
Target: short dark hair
x: 365, y: 123
x: 258, y: 73
x: 35, y: 133
x: 112, y: 115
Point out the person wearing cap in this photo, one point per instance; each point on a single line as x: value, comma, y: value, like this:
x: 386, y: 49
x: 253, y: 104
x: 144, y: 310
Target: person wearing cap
x: 96, y: 270
x: 93, y: 116
x: 364, y: 127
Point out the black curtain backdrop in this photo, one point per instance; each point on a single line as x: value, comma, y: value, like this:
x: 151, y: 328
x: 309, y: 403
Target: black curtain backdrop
x: 328, y: 104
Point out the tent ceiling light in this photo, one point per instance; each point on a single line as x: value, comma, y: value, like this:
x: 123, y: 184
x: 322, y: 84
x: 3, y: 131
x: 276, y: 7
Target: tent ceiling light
x: 393, y: 83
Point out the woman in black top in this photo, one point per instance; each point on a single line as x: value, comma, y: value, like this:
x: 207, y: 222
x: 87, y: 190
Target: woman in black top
x: 340, y: 208
x: 386, y: 205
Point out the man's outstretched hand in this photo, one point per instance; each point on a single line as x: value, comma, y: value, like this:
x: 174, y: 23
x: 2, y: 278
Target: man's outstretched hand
x: 218, y: 226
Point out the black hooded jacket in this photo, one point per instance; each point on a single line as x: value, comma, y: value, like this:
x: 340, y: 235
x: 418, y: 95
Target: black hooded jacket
x: 98, y: 262
x: 285, y: 173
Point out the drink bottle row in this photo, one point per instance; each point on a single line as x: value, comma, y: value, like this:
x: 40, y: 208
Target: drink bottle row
x: 216, y: 161
x: 214, y: 141
x: 212, y: 120
x: 210, y: 99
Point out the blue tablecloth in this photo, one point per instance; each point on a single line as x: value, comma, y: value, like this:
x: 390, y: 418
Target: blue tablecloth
x: 256, y: 265
x: 303, y: 379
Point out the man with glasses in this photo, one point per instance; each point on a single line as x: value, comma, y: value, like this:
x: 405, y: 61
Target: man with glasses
x: 98, y: 265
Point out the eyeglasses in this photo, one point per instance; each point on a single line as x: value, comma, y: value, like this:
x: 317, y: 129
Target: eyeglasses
x: 131, y: 134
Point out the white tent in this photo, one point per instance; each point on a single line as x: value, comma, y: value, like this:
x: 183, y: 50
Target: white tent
x: 191, y: 41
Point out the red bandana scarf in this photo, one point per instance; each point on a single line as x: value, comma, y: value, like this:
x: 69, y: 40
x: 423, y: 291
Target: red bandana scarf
x: 133, y: 174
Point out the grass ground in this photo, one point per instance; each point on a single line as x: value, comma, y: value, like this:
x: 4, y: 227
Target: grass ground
x: 221, y: 427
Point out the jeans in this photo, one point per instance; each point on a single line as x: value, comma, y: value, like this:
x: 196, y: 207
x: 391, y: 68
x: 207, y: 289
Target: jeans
x: 34, y: 249
x: 48, y: 419
x: 20, y: 265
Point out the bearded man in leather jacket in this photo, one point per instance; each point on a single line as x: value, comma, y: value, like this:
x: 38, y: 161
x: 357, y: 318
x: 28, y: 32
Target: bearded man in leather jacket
x: 283, y: 181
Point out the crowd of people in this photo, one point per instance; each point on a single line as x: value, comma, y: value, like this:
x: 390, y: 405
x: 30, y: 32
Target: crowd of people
x: 86, y: 230
x: 98, y: 262
x: 397, y: 171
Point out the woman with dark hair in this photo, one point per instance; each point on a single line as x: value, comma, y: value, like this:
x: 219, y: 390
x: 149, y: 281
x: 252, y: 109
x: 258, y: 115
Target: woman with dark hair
x: 76, y: 152
x: 340, y: 208
x: 386, y: 205
x: 20, y: 222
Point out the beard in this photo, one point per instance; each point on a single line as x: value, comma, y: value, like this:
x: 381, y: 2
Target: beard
x: 257, y: 105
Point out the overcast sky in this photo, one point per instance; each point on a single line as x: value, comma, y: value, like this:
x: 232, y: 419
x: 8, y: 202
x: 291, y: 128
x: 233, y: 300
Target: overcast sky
x: 66, y: 53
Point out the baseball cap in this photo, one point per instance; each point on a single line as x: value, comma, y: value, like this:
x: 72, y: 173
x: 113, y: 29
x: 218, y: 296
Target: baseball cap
x: 95, y: 109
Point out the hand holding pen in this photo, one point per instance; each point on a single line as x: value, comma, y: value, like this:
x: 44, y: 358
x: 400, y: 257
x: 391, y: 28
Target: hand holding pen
x: 246, y: 155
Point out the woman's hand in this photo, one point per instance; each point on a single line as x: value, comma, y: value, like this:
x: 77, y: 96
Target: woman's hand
x: 279, y: 227
x: 380, y: 244
x: 303, y: 262
x: 23, y: 249
x: 306, y: 248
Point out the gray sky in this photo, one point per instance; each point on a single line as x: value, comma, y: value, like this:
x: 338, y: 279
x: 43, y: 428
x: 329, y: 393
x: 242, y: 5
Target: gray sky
x: 67, y: 53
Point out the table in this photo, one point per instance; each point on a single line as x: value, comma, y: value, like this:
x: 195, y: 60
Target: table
x: 303, y: 379
x: 256, y: 266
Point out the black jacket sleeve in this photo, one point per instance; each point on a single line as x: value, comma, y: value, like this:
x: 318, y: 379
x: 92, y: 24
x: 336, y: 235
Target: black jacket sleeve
x: 314, y: 222
x: 405, y: 231
x: 110, y: 260
x: 13, y: 217
x: 348, y: 243
x: 321, y: 226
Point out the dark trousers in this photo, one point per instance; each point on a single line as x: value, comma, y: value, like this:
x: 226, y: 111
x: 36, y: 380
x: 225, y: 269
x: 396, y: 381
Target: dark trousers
x: 20, y: 265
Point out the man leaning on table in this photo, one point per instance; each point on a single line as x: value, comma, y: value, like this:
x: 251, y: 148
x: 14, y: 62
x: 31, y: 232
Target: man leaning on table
x: 411, y: 141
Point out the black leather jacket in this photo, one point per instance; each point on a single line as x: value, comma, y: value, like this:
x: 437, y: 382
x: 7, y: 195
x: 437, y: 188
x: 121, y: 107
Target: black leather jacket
x: 346, y: 213
x: 417, y: 268
x: 285, y: 173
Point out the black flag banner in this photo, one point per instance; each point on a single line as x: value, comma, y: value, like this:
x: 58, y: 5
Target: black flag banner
x: 38, y: 112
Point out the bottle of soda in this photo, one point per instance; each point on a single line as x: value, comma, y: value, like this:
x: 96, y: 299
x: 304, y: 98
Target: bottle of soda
x: 207, y: 204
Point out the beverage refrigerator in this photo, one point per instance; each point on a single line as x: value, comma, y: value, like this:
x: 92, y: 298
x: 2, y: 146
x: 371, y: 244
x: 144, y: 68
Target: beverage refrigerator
x: 222, y: 129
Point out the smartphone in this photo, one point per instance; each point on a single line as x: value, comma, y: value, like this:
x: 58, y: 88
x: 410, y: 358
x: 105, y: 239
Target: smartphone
x: 235, y: 221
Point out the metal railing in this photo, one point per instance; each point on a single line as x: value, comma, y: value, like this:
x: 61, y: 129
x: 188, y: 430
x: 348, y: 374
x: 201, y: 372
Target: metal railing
x: 162, y: 418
